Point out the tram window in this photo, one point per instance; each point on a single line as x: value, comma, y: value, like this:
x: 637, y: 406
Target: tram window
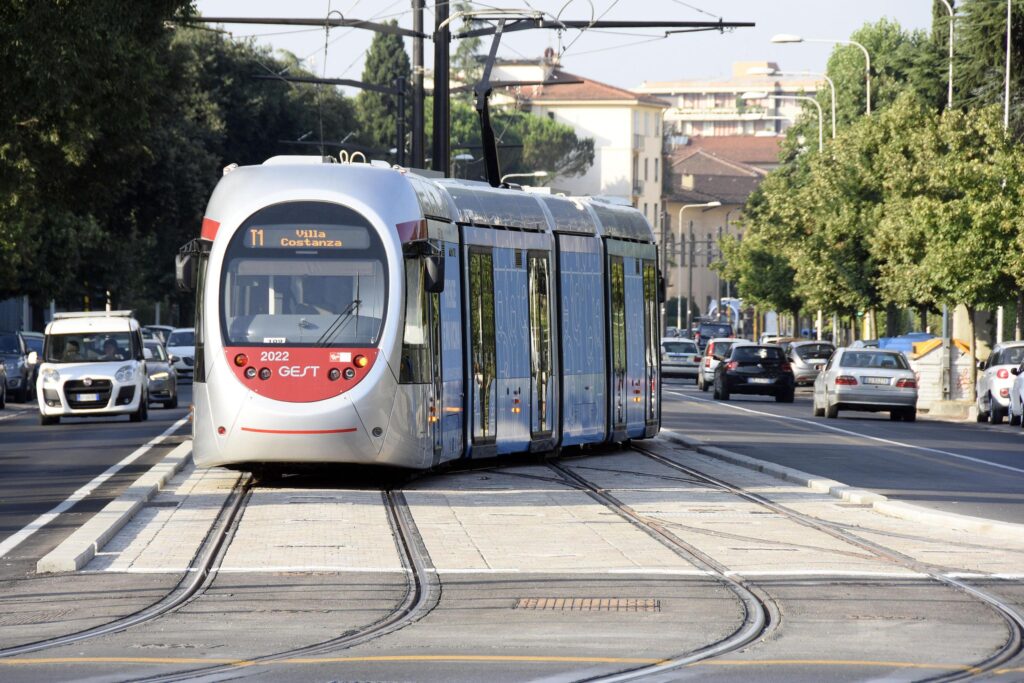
x: 618, y: 316
x: 415, y: 368
x: 651, y: 329
x: 540, y: 338
x: 484, y: 356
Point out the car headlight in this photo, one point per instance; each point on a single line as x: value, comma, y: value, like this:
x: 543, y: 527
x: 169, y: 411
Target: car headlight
x: 157, y: 376
x: 125, y: 374
x: 50, y: 375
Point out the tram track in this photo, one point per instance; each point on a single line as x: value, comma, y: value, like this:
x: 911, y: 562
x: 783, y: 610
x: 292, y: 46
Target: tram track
x: 421, y: 596
x: 195, y: 580
x: 1014, y: 621
x: 759, y: 614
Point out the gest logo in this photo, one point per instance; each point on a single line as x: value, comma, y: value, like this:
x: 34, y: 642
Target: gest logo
x: 298, y: 370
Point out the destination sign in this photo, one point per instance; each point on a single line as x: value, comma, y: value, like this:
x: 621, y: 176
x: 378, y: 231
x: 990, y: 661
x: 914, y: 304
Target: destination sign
x: 307, y: 237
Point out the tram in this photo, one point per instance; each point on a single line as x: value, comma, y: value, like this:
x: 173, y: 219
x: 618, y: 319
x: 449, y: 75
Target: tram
x: 362, y: 313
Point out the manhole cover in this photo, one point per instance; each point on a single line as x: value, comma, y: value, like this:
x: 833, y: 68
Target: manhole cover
x: 590, y: 604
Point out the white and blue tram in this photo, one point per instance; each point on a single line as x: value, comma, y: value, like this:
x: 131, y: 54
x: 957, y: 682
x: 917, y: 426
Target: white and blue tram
x: 355, y: 313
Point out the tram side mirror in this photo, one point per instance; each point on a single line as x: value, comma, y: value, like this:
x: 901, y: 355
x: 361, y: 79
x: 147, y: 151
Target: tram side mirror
x: 435, y: 274
x: 662, y: 289
x: 185, y: 272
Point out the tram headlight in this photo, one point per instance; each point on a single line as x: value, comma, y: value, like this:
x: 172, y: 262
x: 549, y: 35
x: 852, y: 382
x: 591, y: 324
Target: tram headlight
x: 360, y: 361
x: 349, y: 373
x: 125, y: 374
x: 334, y: 374
x: 250, y: 372
x: 241, y: 360
x: 264, y: 373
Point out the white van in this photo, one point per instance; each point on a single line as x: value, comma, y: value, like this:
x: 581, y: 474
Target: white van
x: 93, y: 364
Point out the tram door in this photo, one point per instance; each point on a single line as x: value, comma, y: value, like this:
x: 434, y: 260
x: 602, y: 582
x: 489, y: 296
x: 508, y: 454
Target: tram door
x: 541, y: 354
x: 652, y: 331
x: 452, y: 386
x: 617, y: 330
x: 421, y: 358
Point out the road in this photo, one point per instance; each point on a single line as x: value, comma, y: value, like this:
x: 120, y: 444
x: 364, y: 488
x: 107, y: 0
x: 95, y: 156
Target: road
x: 45, y: 466
x: 971, y: 469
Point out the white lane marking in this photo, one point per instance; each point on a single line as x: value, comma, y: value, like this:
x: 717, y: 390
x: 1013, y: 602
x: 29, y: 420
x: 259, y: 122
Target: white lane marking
x: 888, y: 442
x: 15, y: 412
x: 42, y: 520
x: 826, y: 572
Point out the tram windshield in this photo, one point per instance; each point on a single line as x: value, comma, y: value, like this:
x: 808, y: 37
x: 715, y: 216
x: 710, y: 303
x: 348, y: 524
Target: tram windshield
x: 304, y: 274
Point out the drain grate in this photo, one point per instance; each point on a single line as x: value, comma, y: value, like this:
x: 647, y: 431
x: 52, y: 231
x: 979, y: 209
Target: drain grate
x: 590, y: 604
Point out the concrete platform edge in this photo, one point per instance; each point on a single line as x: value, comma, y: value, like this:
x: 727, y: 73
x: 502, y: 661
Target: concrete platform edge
x: 881, y: 504
x: 82, y: 545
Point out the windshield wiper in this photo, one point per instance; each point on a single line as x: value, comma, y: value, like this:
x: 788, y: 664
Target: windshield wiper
x: 338, y: 323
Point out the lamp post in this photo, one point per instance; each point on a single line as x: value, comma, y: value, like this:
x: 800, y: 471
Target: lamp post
x: 802, y: 98
x: 689, y: 264
x: 1006, y: 127
x: 947, y: 357
x: 790, y: 38
x: 763, y: 71
x: 532, y: 174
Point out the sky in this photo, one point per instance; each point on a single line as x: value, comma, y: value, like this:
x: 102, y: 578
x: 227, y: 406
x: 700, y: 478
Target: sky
x: 624, y: 58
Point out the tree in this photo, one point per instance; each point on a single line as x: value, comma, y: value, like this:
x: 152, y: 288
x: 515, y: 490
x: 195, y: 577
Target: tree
x: 980, y: 58
x: 386, y: 62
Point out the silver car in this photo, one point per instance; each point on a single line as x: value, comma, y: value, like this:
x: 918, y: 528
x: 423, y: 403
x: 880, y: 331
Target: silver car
x: 679, y: 357
x: 163, y: 378
x: 866, y: 379
x: 996, y: 380
x: 808, y: 358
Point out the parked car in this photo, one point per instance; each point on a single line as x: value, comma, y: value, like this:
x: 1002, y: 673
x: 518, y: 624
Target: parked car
x: 679, y: 357
x: 865, y: 344
x: 755, y: 369
x: 866, y: 379
x: 1015, y: 412
x: 715, y: 351
x: 710, y: 330
x: 34, y: 342
x: 995, y: 381
x: 181, y: 345
x: 14, y: 357
x: 808, y: 358
x: 162, y: 377
x: 162, y: 332
x: 93, y: 364
x: 3, y: 386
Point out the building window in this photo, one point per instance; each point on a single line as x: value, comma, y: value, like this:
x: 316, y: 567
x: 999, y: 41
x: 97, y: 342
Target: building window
x: 709, y: 128
x: 656, y: 160
x: 654, y: 216
x: 645, y: 168
x: 636, y: 122
x: 645, y: 210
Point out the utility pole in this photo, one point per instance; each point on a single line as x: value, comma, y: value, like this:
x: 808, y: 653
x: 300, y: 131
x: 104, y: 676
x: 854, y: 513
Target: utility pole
x: 689, y: 280
x: 442, y: 124
x: 417, y: 85
x: 400, y: 116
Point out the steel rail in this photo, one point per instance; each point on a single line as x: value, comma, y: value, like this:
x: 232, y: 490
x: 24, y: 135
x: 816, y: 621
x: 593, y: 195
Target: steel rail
x: 756, y: 610
x: 421, y: 596
x: 200, y: 573
x: 1010, y: 649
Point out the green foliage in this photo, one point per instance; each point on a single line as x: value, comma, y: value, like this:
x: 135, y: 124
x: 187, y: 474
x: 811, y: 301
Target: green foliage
x: 980, y: 58
x: 386, y: 61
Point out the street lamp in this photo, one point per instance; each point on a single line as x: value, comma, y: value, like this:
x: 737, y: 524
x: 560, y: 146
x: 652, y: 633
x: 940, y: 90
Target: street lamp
x: 533, y: 174
x: 802, y: 98
x: 790, y: 38
x: 764, y: 71
x: 689, y: 263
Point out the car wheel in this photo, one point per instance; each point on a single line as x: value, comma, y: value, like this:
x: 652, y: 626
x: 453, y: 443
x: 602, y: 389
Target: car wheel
x: 3, y: 397
x: 995, y: 413
x: 982, y: 413
x: 1014, y: 420
x: 910, y: 415
x: 723, y: 392
x: 896, y: 415
x: 145, y: 408
x: 831, y: 411
x: 141, y: 412
x: 818, y: 412
x: 701, y: 384
x: 47, y: 420
x: 173, y: 403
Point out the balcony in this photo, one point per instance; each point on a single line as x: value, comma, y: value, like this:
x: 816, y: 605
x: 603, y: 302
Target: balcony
x: 638, y: 187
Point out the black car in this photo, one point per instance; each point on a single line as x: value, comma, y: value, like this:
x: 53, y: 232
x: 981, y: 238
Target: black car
x: 711, y: 330
x: 755, y: 369
x: 14, y: 356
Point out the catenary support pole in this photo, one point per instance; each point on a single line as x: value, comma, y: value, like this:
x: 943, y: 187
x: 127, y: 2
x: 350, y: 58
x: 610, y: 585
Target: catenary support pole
x: 417, y: 160
x: 442, y: 47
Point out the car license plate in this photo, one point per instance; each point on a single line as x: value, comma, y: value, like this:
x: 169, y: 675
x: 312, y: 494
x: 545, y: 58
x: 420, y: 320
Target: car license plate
x: 88, y: 397
x: 760, y: 380
x: 876, y: 380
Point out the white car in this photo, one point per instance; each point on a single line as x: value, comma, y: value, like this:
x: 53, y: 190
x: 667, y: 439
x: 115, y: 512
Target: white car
x: 996, y: 380
x: 679, y: 357
x: 92, y: 364
x: 181, y: 346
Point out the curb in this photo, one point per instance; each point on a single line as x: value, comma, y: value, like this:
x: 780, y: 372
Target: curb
x: 878, y: 502
x: 82, y: 545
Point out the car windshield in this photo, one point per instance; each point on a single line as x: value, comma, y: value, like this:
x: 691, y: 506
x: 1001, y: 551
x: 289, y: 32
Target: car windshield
x: 34, y: 344
x: 1012, y: 355
x: 304, y: 274
x: 9, y: 343
x: 814, y: 351
x: 716, y: 330
x: 158, y: 351
x: 89, y: 347
x: 679, y: 347
x: 757, y: 353
x: 873, y: 359
x: 182, y: 338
